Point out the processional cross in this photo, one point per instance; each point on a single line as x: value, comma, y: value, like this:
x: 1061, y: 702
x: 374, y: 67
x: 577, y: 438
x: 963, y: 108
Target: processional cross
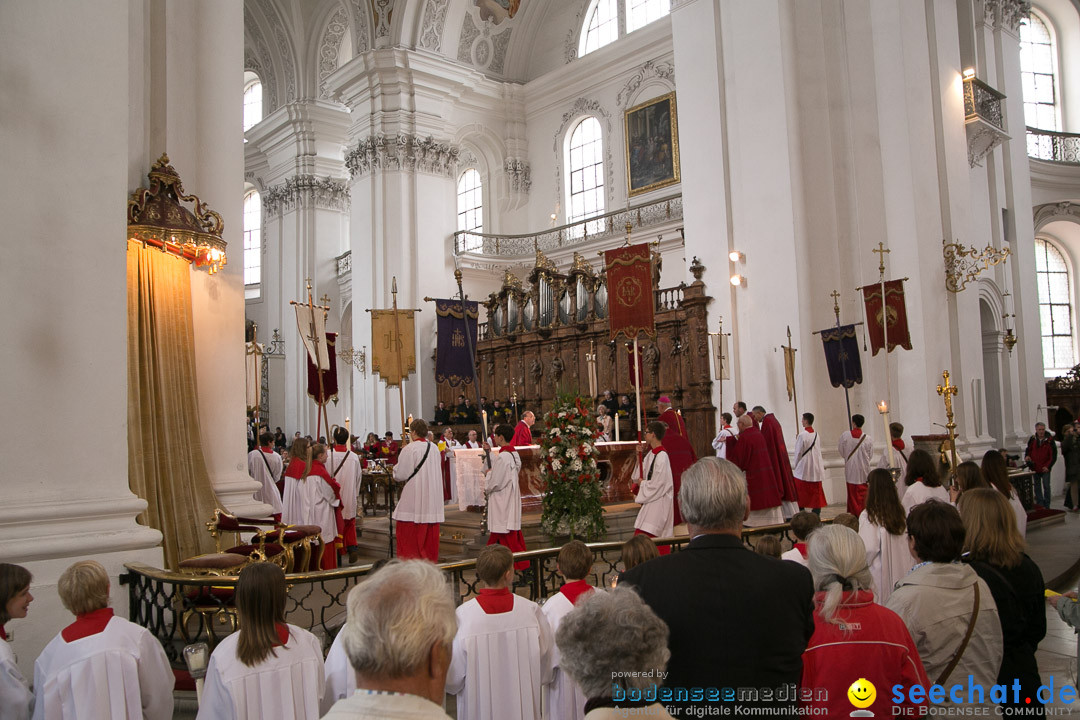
x: 947, y: 391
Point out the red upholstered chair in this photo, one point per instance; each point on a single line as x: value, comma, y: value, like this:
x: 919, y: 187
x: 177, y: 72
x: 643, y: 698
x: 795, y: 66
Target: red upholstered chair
x: 258, y: 549
x: 302, y: 543
x: 209, y: 605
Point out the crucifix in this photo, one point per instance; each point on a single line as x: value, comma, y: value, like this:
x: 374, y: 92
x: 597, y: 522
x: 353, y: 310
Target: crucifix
x: 947, y: 391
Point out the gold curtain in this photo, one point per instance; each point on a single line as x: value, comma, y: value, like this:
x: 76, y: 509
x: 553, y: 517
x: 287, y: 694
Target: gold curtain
x: 166, y: 466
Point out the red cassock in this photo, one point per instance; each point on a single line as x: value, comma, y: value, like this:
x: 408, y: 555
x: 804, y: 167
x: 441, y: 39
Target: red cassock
x: 446, y: 474
x: 522, y: 435
x: 774, y: 441
x: 680, y: 452
x: 749, y: 452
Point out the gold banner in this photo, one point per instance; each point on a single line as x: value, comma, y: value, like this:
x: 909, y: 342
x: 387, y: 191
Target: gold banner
x: 387, y: 346
x: 789, y: 370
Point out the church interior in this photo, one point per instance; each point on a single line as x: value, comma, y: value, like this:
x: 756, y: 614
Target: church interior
x: 781, y: 161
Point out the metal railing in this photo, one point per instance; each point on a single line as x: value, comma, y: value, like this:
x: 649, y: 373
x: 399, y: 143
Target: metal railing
x: 983, y: 101
x: 598, y: 227
x: 179, y: 609
x: 1057, y: 147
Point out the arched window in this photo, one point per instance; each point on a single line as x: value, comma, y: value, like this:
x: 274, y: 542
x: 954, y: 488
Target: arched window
x: 470, y: 207
x: 1055, y: 308
x: 1038, y: 71
x: 586, y: 163
x: 252, y: 244
x: 253, y: 111
x: 640, y: 13
x: 601, y: 26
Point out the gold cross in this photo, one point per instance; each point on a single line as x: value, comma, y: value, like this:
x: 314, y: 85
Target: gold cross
x: 881, y: 250
x: 325, y: 299
x: 836, y: 304
x: 947, y: 391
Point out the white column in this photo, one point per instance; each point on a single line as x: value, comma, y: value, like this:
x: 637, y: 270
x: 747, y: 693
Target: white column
x: 64, y: 495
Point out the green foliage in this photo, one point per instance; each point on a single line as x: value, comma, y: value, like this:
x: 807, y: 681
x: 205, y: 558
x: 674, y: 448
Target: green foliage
x: 572, y: 504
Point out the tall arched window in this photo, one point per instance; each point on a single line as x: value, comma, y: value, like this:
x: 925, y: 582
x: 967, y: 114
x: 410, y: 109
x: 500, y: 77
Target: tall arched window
x: 586, y: 163
x: 601, y: 26
x: 253, y: 111
x: 1038, y: 71
x: 252, y: 244
x: 1055, y: 308
x: 640, y: 13
x: 470, y: 207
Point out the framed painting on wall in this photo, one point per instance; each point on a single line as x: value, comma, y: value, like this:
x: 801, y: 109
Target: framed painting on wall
x: 652, y: 145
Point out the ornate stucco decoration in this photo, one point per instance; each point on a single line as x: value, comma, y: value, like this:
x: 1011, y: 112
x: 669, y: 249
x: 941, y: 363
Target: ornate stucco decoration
x: 330, y: 46
x: 382, y: 12
x: 403, y: 152
x: 1056, y: 211
x: 984, y: 121
x: 360, y: 13
x: 517, y: 172
x: 1006, y: 13
x: 306, y: 191
x: 432, y: 24
x: 963, y: 264
x: 585, y: 106
x: 661, y: 69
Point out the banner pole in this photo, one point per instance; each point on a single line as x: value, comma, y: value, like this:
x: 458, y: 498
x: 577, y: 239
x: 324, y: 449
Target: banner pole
x: 637, y: 413
x: 401, y: 378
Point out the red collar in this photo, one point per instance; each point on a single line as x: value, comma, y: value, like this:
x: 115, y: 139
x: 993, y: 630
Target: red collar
x: 282, y: 632
x: 87, y: 624
x: 808, y: 429
x: 657, y: 450
x: 507, y: 448
x: 495, y: 601
x: 801, y: 547
x: 856, y: 433
x: 340, y: 448
x: 267, y: 450
x: 3, y: 633
x: 726, y: 426
x: 898, y: 443
x: 574, y: 590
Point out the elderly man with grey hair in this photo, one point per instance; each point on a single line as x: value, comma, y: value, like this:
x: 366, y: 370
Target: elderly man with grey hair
x: 739, y: 621
x: 615, y: 649
x: 399, y: 637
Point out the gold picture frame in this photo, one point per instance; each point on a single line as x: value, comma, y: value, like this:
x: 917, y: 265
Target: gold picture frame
x: 652, y: 145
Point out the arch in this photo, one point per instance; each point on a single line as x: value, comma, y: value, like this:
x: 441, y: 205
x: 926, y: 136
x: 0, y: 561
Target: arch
x: 990, y: 294
x: 253, y: 99
x: 1047, y: 213
x: 265, y: 34
x: 601, y: 26
x: 584, y: 191
x: 570, y: 118
x: 332, y: 36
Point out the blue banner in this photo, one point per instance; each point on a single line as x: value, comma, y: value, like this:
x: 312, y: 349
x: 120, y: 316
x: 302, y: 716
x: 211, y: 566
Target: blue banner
x: 842, y: 356
x: 453, y: 355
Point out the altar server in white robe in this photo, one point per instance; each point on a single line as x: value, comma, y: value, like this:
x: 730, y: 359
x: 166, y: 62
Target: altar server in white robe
x: 563, y: 698
x: 899, y: 456
x: 503, y: 493
x: 16, y: 699
x: 857, y: 449
x: 398, y: 637
x: 883, y: 529
x: 265, y: 466
x: 420, y: 509
x: 502, y: 652
x: 656, y: 493
x: 100, y: 666
x: 346, y: 468
x: 719, y: 443
x: 268, y: 670
x: 809, y: 470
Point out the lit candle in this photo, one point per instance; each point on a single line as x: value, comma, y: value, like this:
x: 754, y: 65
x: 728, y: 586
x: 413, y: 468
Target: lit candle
x: 347, y: 425
x: 483, y: 416
x: 616, y: 427
x: 883, y: 408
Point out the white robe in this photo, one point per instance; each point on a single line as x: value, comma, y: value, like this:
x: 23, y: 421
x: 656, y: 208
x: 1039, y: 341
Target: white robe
x: 656, y: 496
x: 794, y: 555
x: 917, y: 494
x: 500, y: 662
x: 886, y: 554
x: 1021, y: 513
x: 316, y: 502
x: 268, y: 492
x: 292, y: 509
x: 719, y: 443
x: 348, y: 476
x: 287, y: 685
x: 422, y: 498
x: 563, y: 698
x: 504, y: 493
x: 857, y: 466
x: 809, y: 467
x: 120, y: 672
x: 340, y: 676
x: 16, y: 700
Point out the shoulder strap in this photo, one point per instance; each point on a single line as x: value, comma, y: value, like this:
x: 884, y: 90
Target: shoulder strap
x: 419, y: 464
x: 808, y: 449
x: 963, y: 643
x: 340, y: 464
x: 267, y: 464
x: 852, y: 453
x: 902, y: 454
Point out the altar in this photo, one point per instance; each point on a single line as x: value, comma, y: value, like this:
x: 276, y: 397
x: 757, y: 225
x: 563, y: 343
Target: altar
x: 616, y: 461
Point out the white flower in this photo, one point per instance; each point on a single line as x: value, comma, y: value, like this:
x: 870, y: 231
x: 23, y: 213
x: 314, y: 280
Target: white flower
x: 553, y: 451
x: 571, y: 453
x: 576, y: 465
x: 562, y: 414
x: 556, y: 465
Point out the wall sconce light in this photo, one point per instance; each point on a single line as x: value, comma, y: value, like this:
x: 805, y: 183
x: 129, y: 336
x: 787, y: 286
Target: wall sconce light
x: 969, y: 73
x: 736, y: 256
x: 738, y: 280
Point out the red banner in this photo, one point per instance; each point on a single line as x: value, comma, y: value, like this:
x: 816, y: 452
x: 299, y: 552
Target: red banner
x: 895, y: 310
x: 630, y: 363
x: 630, y: 291
x: 329, y: 377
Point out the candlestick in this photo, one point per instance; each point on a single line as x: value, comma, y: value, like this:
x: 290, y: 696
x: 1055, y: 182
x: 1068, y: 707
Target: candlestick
x: 883, y: 408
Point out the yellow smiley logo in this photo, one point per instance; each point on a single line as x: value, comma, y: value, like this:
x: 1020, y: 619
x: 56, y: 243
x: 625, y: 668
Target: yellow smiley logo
x: 862, y: 693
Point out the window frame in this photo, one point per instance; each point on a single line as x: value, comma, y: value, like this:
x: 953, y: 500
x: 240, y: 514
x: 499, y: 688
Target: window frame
x: 253, y: 290
x: 251, y: 79
x: 1041, y: 242
x: 1055, y: 75
x: 621, y: 22
x: 479, y: 190
x: 600, y: 189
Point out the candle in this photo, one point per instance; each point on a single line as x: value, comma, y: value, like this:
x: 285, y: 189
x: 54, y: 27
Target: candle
x: 347, y: 425
x: 616, y: 427
x: 483, y: 416
x: 883, y: 408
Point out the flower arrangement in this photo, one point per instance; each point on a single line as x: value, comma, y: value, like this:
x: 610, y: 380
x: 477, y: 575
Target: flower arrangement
x: 568, y: 447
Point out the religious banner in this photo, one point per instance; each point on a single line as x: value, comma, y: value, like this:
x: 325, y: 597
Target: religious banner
x: 453, y: 359
x: 895, y: 310
x: 789, y: 370
x: 720, y: 356
x: 253, y: 373
x: 393, y: 356
x: 640, y: 375
x: 630, y: 291
x: 329, y: 389
x: 842, y: 355
x: 311, y: 322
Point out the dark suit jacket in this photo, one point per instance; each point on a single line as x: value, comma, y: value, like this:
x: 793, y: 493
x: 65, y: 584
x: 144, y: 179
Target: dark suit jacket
x: 737, y: 619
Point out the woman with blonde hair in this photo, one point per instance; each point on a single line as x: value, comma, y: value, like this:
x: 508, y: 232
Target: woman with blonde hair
x: 16, y: 700
x: 267, y: 669
x: 994, y: 548
x: 996, y: 473
x: 854, y: 637
x: 883, y: 530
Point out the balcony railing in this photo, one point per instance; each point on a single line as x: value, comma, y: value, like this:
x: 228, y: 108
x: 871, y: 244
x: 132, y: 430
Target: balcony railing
x: 984, y: 102
x: 1053, y: 146
x: 608, y: 225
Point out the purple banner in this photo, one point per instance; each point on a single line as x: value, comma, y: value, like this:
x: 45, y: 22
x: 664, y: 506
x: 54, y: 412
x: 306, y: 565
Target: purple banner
x: 453, y: 356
